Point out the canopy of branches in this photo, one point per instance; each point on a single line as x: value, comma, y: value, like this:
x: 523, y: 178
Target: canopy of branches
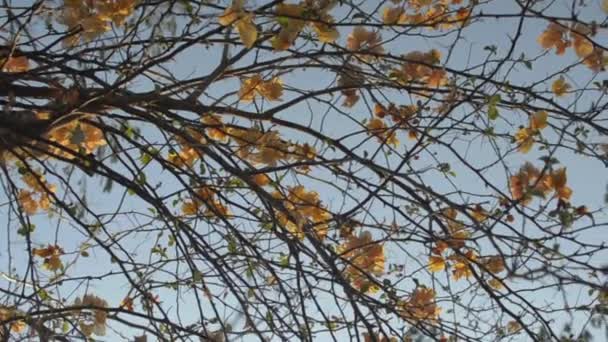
x: 332, y: 170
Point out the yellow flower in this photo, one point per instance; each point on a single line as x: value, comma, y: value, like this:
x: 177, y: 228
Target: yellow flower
x: 365, y: 257
x: 216, y: 133
x: 243, y: 21
x: 261, y: 179
x: 554, y: 36
x: 538, y: 121
x: 93, y: 137
x: 27, y: 201
x: 302, y: 206
x: 436, y: 263
x: 326, y: 33
x: 231, y: 14
x: 360, y: 39
x: 496, y: 284
x: 494, y: 264
x: 97, y: 324
x: 271, y: 90
x: 51, y: 255
x: 393, y: 15
x: 560, y: 87
x: 479, y: 214
x: 513, y: 327
x: 247, y: 30
x: 378, y: 128
x: 420, y: 306
x: 462, y: 266
x: 525, y: 139
x: 582, y: 45
x: 14, y: 64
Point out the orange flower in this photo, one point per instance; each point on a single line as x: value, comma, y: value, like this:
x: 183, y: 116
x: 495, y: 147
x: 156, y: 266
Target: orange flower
x: 15, y: 64
x: 560, y: 87
x: 421, y: 305
x: 261, y: 179
x: 255, y: 86
x: 360, y: 39
x: 525, y: 139
x: 365, y: 258
x: 51, y: 255
x: 303, y: 206
x: 436, y: 263
x: 554, y: 36
x: 216, y: 133
x: 494, y: 264
x: 462, y: 266
x: 582, y: 45
x: 378, y: 128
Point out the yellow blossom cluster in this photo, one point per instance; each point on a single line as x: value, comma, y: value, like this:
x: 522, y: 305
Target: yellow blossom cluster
x: 36, y: 197
x: 560, y: 87
x: 561, y: 37
x: 268, y: 147
x: 14, y: 64
x: 94, y: 17
x: 422, y: 67
x: 479, y: 214
x: 365, y: 258
x: 457, y: 232
x: 189, y: 153
x: 462, y: 264
x: 385, y: 134
x: 529, y: 182
x: 205, y: 197
x: 261, y: 179
x: 462, y: 259
x: 455, y: 239
x: 76, y: 136
x: 216, y: 131
x: 350, y: 76
x: 271, y: 90
x: 404, y: 116
x: 96, y: 322
x: 253, y: 144
x: 435, y: 14
x: 51, y: 255
x: 420, y: 306
x: 366, y: 43
x: 525, y: 135
x: 243, y: 22
x: 8, y: 313
x: 304, y: 207
x: 293, y: 18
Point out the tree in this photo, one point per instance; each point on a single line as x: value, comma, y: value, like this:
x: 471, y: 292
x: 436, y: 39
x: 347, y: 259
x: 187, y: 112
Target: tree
x: 315, y: 170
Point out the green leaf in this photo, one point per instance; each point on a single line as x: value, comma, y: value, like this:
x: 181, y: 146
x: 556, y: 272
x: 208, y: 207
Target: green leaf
x: 283, y: 21
x: 145, y: 158
x: 197, y: 276
x: 26, y: 229
x: 232, y: 246
x: 492, y: 113
x: 493, y: 101
x: 284, y: 260
x: 43, y: 295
